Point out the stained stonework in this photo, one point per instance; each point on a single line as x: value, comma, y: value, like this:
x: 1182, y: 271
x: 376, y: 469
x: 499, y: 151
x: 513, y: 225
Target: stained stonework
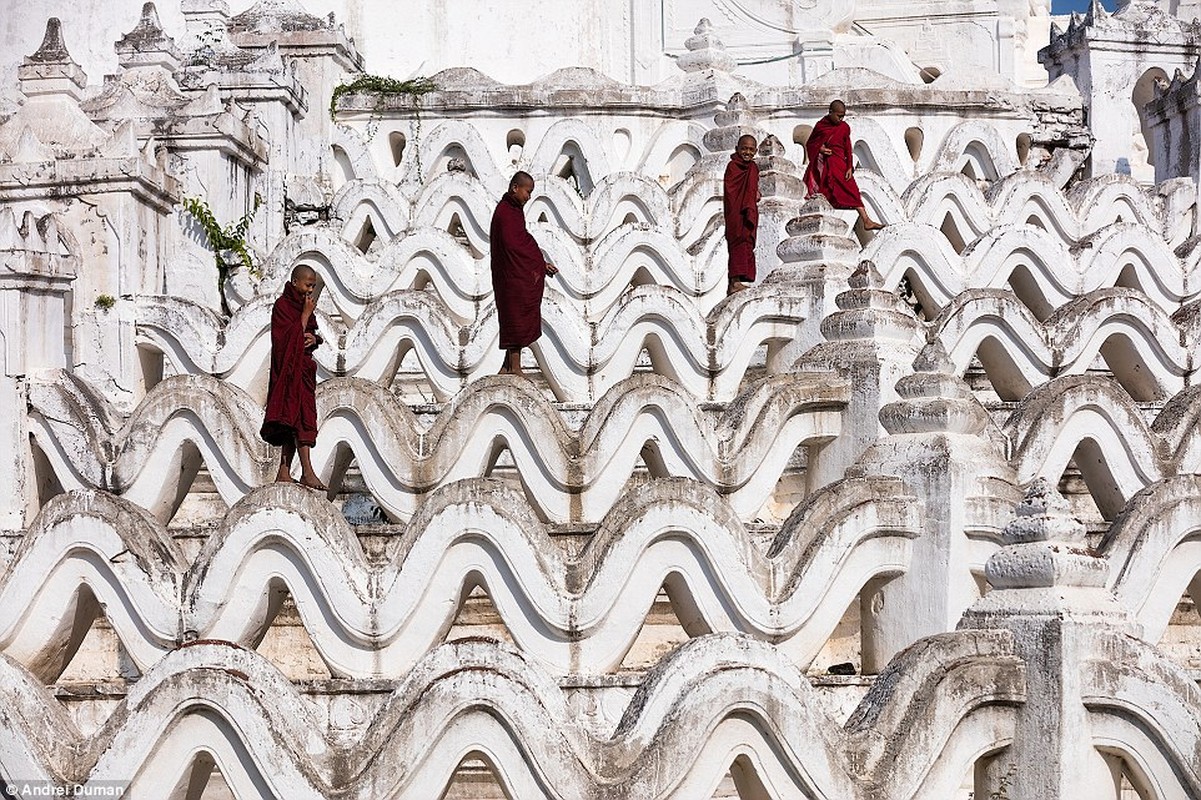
x: 912, y: 517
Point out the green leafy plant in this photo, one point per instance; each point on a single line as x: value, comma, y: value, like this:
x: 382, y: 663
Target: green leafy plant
x: 105, y: 301
x: 383, y: 87
x: 229, y: 238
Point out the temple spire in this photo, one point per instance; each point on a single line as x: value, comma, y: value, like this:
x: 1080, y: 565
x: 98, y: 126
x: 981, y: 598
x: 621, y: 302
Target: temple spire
x: 53, y: 49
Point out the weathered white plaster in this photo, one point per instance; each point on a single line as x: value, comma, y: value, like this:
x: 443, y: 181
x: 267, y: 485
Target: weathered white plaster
x: 695, y: 505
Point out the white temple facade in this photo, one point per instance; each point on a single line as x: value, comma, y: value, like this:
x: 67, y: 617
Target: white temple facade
x: 916, y: 516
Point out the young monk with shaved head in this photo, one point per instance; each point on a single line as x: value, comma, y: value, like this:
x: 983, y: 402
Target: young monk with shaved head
x: 291, y: 418
x: 831, y: 170
x: 518, y: 273
x: 740, y: 205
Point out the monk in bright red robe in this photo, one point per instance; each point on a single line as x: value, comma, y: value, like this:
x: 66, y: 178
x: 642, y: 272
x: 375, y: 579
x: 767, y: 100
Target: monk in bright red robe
x: 518, y: 273
x: 290, y: 421
x: 831, y: 169
x: 740, y: 206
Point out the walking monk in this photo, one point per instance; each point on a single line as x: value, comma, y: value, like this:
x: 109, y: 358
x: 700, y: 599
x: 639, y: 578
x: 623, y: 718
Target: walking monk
x: 518, y: 274
x: 291, y: 418
x: 831, y: 169
x: 740, y: 203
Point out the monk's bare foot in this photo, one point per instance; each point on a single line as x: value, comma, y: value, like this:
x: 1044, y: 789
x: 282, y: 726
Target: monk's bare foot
x: 313, y: 482
x: 873, y: 226
x: 737, y: 286
x: 283, y: 476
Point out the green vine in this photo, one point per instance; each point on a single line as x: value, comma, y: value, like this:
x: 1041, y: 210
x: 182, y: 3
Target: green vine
x: 231, y: 238
x: 382, y: 87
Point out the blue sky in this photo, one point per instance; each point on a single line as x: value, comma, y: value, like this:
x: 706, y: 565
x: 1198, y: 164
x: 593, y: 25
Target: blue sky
x: 1068, y: 6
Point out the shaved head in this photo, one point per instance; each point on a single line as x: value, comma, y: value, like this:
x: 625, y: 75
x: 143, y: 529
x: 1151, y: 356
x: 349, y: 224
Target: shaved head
x: 838, y: 107
x: 746, y: 137
x: 520, y: 178
x: 302, y: 271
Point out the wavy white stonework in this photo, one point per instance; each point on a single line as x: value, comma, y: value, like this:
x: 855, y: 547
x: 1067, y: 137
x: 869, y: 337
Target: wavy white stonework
x: 664, y: 422
x: 707, y: 355
x: 623, y: 232
x: 1148, y: 352
x: 713, y: 699
x: 151, y: 457
x: 568, y: 613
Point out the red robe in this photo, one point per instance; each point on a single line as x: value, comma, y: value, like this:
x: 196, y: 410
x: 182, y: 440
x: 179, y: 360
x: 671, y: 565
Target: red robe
x: 827, y: 174
x: 740, y: 203
x: 518, y: 276
x: 292, y: 391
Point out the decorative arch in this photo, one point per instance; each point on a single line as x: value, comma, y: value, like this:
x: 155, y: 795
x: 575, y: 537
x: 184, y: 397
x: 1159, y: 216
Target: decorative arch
x: 979, y: 144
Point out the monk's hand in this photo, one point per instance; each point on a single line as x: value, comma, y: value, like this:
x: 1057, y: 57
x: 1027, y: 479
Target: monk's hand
x: 825, y: 151
x: 310, y: 340
x: 551, y: 269
x: 310, y: 305
x: 848, y: 175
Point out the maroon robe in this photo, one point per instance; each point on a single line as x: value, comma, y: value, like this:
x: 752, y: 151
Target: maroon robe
x: 518, y: 276
x: 827, y: 174
x: 740, y: 203
x: 291, y: 416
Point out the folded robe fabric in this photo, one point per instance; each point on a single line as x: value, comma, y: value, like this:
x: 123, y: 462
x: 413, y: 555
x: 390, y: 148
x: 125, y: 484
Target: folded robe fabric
x: 291, y: 415
x: 827, y: 174
x: 518, y: 275
x: 740, y: 204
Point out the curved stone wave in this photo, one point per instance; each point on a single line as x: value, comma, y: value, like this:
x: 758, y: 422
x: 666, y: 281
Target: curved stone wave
x: 578, y: 613
x: 1148, y: 352
x: 708, y: 355
x: 1154, y: 548
x: 1094, y: 420
x: 710, y: 701
x: 740, y: 448
x: 1041, y: 268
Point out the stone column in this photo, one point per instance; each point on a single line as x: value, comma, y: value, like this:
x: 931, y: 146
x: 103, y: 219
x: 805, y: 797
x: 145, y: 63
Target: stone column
x: 1049, y: 591
x: 14, y: 453
x: 872, y: 340
x: 708, y: 67
x: 783, y: 192
x: 1174, y: 118
x: 938, y: 445
x: 817, y: 260
x: 36, y: 272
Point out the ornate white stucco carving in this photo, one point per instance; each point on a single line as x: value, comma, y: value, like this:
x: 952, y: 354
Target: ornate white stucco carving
x: 957, y: 458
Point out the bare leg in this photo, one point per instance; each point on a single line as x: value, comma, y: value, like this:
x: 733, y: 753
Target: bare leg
x: 512, y: 365
x: 284, y: 475
x: 307, y: 476
x: 867, y: 222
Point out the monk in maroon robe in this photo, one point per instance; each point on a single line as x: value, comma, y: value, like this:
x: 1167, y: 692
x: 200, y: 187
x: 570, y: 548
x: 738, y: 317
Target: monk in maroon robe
x: 831, y: 169
x: 518, y: 274
x: 291, y: 418
x: 740, y: 204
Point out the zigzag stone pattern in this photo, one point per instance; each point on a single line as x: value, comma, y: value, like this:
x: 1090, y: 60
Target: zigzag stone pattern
x: 568, y: 475
x: 914, y: 517
x: 571, y: 614
x: 708, y: 355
